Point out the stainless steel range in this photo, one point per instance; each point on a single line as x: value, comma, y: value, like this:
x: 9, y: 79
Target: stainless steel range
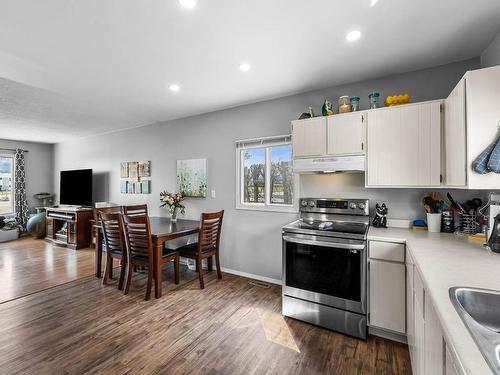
x: 324, y: 264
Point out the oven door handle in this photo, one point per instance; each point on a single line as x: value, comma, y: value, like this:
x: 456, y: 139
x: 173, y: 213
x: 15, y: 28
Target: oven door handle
x: 337, y: 245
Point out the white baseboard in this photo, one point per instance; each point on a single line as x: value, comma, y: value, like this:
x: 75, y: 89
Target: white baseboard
x: 240, y: 273
x: 399, y: 337
x: 251, y: 276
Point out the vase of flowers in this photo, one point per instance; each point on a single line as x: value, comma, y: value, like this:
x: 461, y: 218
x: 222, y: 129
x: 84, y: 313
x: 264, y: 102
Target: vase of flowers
x: 174, y: 203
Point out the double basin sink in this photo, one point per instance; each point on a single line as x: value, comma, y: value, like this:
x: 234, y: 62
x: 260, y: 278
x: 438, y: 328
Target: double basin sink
x: 480, y: 311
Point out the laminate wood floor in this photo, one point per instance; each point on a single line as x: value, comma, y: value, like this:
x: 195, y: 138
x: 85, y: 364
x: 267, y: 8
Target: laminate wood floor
x: 28, y: 265
x: 230, y: 327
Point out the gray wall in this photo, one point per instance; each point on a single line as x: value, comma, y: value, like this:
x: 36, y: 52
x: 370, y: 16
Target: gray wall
x: 39, y: 167
x: 251, y: 239
x: 491, y: 55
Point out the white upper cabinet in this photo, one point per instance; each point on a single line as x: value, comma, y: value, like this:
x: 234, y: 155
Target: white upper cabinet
x: 483, y: 116
x: 455, y: 157
x: 472, y: 116
x: 404, y: 146
x: 309, y: 137
x: 346, y: 134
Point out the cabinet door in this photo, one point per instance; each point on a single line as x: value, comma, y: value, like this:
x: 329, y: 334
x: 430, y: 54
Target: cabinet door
x: 309, y: 137
x: 450, y: 368
x: 346, y: 134
x: 433, y: 340
x: 404, y: 145
x: 419, y: 364
x: 483, y: 115
x: 387, y: 296
x: 454, y: 137
x: 410, y: 313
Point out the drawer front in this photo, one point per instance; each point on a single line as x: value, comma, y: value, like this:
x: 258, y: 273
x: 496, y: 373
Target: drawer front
x: 391, y: 251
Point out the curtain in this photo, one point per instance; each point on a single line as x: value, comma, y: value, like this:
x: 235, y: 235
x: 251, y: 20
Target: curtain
x: 20, y: 200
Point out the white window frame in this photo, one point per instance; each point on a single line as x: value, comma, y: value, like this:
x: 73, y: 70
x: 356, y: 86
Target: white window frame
x: 266, y: 143
x: 11, y: 156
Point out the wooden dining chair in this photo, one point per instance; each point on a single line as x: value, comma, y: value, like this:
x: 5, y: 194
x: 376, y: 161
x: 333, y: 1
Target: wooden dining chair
x: 115, y: 245
x: 140, y: 250
x: 207, y: 246
x: 135, y: 210
x: 96, y: 219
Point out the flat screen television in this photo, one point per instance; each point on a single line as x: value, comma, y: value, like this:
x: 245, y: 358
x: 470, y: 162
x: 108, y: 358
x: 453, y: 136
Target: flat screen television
x: 76, y: 187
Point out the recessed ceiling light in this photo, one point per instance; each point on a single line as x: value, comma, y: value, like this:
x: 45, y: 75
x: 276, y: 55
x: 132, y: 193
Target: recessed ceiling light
x: 174, y: 87
x: 373, y: 2
x: 353, y: 35
x: 244, y: 67
x: 188, y: 4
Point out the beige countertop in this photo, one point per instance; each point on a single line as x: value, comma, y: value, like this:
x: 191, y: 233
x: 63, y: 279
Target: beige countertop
x: 444, y: 261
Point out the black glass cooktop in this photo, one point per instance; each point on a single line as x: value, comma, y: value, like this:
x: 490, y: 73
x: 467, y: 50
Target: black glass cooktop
x: 335, y: 226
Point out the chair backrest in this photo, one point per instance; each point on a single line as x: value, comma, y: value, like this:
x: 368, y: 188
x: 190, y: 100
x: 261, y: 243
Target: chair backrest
x: 112, y: 230
x: 107, y: 210
x: 135, y: 210
x: 137, y: 236
x: 210, y: 229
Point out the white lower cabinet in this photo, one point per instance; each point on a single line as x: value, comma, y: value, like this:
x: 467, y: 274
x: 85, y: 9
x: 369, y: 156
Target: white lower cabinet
x: 398, y: 304
x: 433, y: 341
x: 418, y: 360
x: 410, y: 303
x: 450, y: 368
x: 387, y: 296
x: 387, y: 292
x: 425, y: 335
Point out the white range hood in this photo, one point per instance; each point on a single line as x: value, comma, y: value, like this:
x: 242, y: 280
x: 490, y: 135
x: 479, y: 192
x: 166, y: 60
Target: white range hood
x: 332, y: 164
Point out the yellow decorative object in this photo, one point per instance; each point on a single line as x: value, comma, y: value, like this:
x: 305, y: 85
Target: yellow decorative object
x: 397, y: 99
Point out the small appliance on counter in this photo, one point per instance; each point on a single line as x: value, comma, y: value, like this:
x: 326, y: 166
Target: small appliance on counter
x: 325, y: 264
x: 447, y: 221
x: 494, y: 203
x: 494, y: 239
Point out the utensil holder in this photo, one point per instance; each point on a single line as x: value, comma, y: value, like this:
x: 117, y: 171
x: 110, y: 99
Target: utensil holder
x: 468, y: 223
x: 434, y: 222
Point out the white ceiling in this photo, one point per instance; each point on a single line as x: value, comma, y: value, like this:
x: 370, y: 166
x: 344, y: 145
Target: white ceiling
x: 103, y: 65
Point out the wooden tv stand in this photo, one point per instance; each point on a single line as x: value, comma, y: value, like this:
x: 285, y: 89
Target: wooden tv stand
x: 69, y: 226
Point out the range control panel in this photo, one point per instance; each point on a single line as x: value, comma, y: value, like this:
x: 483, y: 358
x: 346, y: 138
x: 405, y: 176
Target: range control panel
x: 336, y: 206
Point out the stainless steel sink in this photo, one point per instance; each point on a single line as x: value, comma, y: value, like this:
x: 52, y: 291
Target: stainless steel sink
x: 480, y: 311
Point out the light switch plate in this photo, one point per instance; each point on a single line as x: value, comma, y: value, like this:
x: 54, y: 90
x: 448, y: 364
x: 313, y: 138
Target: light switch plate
x: 212, y: 193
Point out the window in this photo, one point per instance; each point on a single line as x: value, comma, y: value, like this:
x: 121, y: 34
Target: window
x: 265, y: 178
x: 6, y: 184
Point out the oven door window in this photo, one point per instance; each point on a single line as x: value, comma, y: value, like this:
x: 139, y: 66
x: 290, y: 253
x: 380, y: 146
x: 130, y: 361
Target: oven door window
x: 326, y: 270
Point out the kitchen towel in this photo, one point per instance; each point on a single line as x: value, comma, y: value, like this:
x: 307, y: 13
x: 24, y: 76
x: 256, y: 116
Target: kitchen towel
x: 494, y: 160
x: 480, y: 165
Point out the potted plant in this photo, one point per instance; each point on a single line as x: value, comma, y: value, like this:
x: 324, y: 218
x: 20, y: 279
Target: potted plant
x: 174, y: 203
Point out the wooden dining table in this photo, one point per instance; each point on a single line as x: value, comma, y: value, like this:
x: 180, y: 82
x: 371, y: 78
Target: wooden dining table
x: 162, y: 230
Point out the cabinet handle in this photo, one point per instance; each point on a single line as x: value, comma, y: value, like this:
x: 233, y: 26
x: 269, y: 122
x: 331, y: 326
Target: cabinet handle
x: 362, y: 146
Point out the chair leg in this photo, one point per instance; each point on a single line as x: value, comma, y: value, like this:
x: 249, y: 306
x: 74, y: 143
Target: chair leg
x: 176, y: 268
x: 107, y: 268
x: 150, y: 283
x: 209, y: 263
x: 110, y: 270
x: 200, y: 272
x: 217, y: 265
x: 129, y: 277
x: 123, y: 270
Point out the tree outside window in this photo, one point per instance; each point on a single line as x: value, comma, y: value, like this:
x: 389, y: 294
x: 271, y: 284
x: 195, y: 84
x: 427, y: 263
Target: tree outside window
x: 267, y: 177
